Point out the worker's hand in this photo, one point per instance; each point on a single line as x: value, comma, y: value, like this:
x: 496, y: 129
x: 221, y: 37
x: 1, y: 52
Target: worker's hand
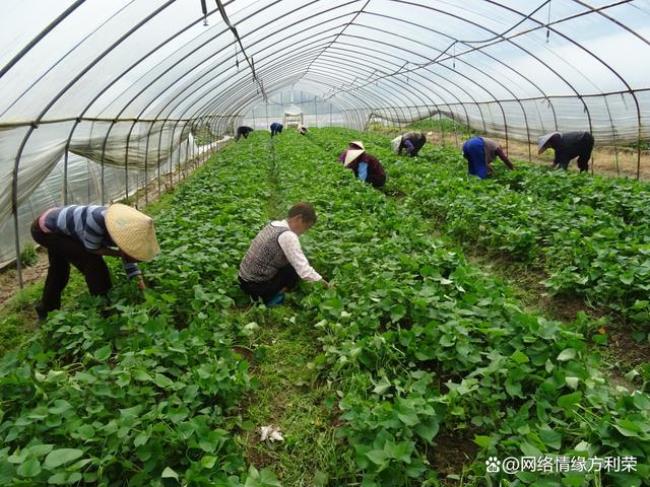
x: 140, y: 282
x: 325, y: 283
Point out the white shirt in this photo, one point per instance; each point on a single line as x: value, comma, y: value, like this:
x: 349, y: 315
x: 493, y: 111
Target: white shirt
x: 290, y: 245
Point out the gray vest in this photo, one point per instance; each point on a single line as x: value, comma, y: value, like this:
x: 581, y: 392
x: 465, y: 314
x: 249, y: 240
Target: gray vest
x: 264, y: 257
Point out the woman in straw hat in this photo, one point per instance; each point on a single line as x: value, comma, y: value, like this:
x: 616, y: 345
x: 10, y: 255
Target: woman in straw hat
x: 81, y: 236
x: 365, y: 167
x: 568, y: 146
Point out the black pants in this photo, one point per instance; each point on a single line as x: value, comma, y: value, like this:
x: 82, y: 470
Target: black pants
x: 377, y: 180
x: 285, y: 278
x: 585, y: 153
x: 61, y: 252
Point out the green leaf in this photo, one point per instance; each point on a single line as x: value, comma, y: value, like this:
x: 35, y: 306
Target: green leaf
x: 378, y: 457
x: 142, y: 376
x: 628, y: 428
x: 568, y: 400
x: 169, y: 473
x: 60, y: 478
x: 551, y: 438
x: 520, y: 357
x: 399, y: 451
x: 30, y: 468
x: 103, y: 353
x: 482, y: 441
x: 39, y: 450
x: 627, y: 277
x: 566, y: 354
x: 163, y: 381
x: 62, y: 456
x: 208, y: 461
x: 427, y: 431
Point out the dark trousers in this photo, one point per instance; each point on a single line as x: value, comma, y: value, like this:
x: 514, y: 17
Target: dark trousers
x: 585, y: 153
x: 377, y: 180
x: 285, y: 278
x: 61, y: 252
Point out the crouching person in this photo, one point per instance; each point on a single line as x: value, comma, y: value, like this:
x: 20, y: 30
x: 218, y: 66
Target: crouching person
x: 81, y: 236
x: 274, y: 262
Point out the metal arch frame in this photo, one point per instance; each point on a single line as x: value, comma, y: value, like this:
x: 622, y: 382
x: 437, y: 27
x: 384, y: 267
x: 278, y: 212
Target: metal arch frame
x: 345, y: 59
x: 443, y: 98
x: 224, y: 31
x: 214, y: 37
x: 243, y: 86
x: 500, y: 39
x: 14, y: 183
x: 509, y: 39
x: 493, y: 59
x: 632, y: 92
x: 82, y: 73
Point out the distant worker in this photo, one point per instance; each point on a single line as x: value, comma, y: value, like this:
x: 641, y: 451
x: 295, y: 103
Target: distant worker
x: 411, y: 142
x: 365, y: 167
x: 302, y: 130
x: 480, y: 152
x: 274, y: 262
x: 81, y: 235
x: 568, y: 146
x: 276, y: 128
x: 243, y: 132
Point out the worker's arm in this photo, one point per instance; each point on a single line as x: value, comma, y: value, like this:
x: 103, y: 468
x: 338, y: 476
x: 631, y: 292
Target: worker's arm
x: 408, y: 145
x: 504, y: 157
x: 292, y: 250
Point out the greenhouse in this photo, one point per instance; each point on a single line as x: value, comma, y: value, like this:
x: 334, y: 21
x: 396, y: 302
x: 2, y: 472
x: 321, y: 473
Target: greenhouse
x: 269, y: 243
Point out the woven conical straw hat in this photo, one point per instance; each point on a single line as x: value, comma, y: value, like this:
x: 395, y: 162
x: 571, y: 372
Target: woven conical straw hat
x: 358, y: 143
x: 351, y: 155
x: 542, y: 141
x: 132, y: 231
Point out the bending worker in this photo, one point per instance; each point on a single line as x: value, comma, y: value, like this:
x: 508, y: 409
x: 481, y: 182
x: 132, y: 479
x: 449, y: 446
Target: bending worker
x: 276, y: 128
x: 243, y: 132
x: 81, y: 236
x: 480, y: 152
x: 568, y: 146
x: 411, y: 142
x: 302, y: 130
x: 365, y: 167
x: 274, y: 262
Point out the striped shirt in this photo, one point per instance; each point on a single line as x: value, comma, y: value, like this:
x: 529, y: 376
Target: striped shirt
x: 87, y: 225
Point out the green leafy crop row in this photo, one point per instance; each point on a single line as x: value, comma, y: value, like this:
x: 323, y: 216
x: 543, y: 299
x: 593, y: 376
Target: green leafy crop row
x: 590, y: 234
x: 419, y: 347
x: 424, y: 346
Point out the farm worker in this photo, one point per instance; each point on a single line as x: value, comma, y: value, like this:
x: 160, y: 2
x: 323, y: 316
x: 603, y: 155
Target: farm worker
x: 365, y: 167
x: 411, y: 142
x: 274, y: 262
x: 480, y: 152
x: 302, y: 130
x: 243, y: 132
x: 81, y: 235
x: 276, y: 128
x: 568, y: 146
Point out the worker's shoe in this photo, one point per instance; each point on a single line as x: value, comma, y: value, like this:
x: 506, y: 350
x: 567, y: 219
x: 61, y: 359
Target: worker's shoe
x: 40, y: 312
x: 276, y: 300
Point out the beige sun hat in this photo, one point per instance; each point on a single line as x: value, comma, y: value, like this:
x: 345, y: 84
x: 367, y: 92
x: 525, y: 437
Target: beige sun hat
x: 542, y: 141
x: 352, y: 154
x: 132, y: 231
